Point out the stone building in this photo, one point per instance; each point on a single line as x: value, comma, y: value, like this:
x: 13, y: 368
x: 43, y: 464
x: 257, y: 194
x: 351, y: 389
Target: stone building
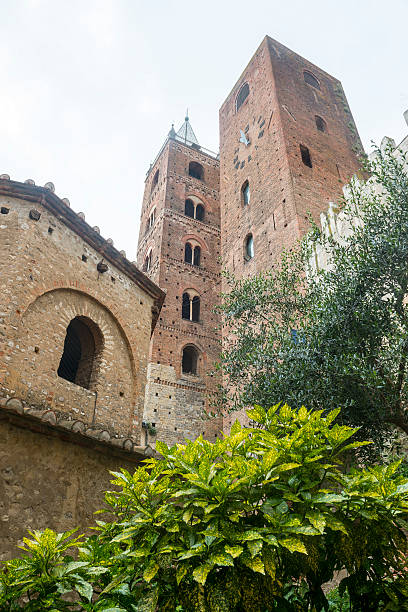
x: 288, y: 143
x: 179, y: 248
x: 83, y: 389
x: 76, y: 321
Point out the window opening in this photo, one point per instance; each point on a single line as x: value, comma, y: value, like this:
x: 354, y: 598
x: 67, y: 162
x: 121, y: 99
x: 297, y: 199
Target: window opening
x: 196, y: 170
x: 305, y: 153
x: 155, y: 180
x: 246, y: 193
x: 199, y: 212
x: 242, y: 95
x: 310, y: 79
x: 249, y: 247
x: 190, y: 307
x: 320, y: 124
x: 147, y: 262
x: 189, y: 360
x: 192, y: 254
x: 189, y: 208
x: 197, y: 255
x: 78, y: 361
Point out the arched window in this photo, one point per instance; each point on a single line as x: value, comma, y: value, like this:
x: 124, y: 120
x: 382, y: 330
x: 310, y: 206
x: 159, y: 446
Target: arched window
x: 320, y: 124
x: 151, y: 220
x: 189, y: 208
x: 147, y: 262
x: 79, y: 361
x: 192, y: 254
x: 196, y: 255
x: 189, y: 360
x: 155, y: 180
x: 245, y: 193
x: 199, y: 212
x: 193, y: 209
x: 242, y: 96
x: 191, y: 306
x: 305, y: 153
x: 249, y: 247
x: 310, y: 79
x: 196, y: 170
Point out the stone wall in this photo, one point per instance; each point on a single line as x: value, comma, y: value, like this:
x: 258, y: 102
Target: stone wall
x: 60, y: 434
x: 49, y: 482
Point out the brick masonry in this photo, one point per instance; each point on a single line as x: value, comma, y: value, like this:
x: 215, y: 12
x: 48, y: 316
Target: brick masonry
x: 49, y: 274
x: 177, y: 402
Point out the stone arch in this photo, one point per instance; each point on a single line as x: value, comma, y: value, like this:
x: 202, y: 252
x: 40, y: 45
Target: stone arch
x: 197, y: 239
x: 41, y: 335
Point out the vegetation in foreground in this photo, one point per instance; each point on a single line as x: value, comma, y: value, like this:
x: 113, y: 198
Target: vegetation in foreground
x: 256, y: 522
x: 338, y: 336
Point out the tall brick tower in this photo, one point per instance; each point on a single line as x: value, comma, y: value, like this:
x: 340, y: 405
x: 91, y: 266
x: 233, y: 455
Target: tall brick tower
x: 288, y: 143
x: 179, y: 248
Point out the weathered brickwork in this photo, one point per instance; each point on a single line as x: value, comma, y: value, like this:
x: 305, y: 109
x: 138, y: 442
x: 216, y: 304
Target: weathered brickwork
x: 278, y: 115
x: 175, y: 400
x: 56, y: 270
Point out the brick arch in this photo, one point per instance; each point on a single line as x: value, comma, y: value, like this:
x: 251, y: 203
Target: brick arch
x: 43, y: 325
x: 199, y: 196
x: 201, y: 242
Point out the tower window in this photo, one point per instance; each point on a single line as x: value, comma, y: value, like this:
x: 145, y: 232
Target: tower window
x: 189, y: 360
x: 194, y: 210
x: 192, y: 254
x: 310, y: 79
x: 320, y: 124
x: 249, y: 247
x: 242, y: 96
x: 147, y: 262
x: 83, y: 342
x: 196, y: 170
x: 245, y: 193
x: 191, y: 306
x: 155, y: 180
x: 151, y: 220
x: 189, y: 208
x: 305, y: 153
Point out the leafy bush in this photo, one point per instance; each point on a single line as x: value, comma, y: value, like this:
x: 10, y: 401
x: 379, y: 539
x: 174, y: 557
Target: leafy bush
x: 256, y: 522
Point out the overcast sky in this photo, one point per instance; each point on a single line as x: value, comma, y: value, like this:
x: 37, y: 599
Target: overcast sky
x: 89, y: 88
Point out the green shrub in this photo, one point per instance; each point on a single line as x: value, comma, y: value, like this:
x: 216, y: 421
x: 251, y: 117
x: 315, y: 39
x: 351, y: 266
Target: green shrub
x: 256, y: 522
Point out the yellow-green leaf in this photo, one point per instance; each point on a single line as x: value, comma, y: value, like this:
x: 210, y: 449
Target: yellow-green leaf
x: 201, y: 572
x: 187, y: 515
x: 181, y: 572
x: 317, y: 520
x: 254, y: 546
x: 234, y: 551
x: 293, y: 544
x: 150, y: 571
x: 255, y: 564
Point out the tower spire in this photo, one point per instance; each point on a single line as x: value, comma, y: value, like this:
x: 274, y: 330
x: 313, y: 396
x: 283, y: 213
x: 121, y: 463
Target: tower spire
x: 186, y: 133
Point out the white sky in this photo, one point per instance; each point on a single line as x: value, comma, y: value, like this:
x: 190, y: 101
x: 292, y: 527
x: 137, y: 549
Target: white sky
x: 89, y: 88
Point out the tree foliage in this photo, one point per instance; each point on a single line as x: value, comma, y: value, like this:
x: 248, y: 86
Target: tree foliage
x: 338, y: 336
x: 256, y: 522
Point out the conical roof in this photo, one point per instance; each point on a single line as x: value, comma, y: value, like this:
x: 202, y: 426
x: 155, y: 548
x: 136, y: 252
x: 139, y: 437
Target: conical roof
x: 186, y: 134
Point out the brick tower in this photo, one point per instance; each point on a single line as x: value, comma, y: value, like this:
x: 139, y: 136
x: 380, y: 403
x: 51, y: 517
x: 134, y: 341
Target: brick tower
x: 288, y: 143
x: 179, y: 248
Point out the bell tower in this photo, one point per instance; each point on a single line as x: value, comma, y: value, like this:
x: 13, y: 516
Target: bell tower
x: 179, y: 249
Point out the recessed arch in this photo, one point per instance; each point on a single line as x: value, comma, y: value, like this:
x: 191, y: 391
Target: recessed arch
x: 311, y: 79
x: 321, y: 125
x: 83, y: 347
x: 190, y: 359
x: 249, y: 251
x: 196, y: 170
x: 155, y: 180
x: 242, y: 95
x: 191, y: 304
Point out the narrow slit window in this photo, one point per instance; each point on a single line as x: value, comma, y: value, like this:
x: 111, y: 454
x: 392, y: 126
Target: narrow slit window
x: 320, y: 124
x: 305, y: 153
x: 189, y: 208
x: 245, y: 193
x: 249, y: 247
